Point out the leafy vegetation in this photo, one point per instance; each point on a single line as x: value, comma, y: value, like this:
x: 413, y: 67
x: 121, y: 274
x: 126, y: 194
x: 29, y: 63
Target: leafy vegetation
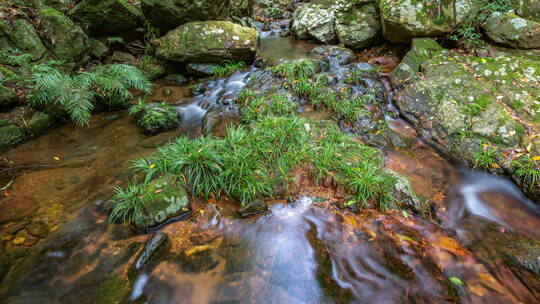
x: 468, y: 33
x: 77, y: 93
x: 485, y: 157
x: 153, y: 117
x: 277, y: 105
x: 228, y: 67
x: 525, y: 168
x: 303, y: 68
x: 128, y: 205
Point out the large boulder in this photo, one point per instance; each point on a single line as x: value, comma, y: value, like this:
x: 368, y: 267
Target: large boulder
x: 509, y: 29
x: 355, y: 25
x: 360, y: 27
x: 67, y: 41
x: 209, y: 41
x: 482, y: 110
x: 21, y: 34
x: 315, y: 21
x: 529, y: 9
x: 403, y: 20
x: 169, y: 14
x: 107, y: 16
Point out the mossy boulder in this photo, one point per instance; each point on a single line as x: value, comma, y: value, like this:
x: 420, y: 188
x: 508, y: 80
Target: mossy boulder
x: 359, y: 27
x: 315, y: 21
x: 403, y: 20
x: 39, y: 123
x: 21, y: 34
x: 354, y: 24
x: 422, y: 50
x: 168, y: 200
x: 67, y: 41
x: 152, y: 67
x: 169, y: 14
x: 529, y: 9
x: 7, y: 97
x: 509, y: 29
x: 209, y: 41
x: 107, y: 16
x: 9, y: 136
x: 471, y: 105
x: 156, y: 117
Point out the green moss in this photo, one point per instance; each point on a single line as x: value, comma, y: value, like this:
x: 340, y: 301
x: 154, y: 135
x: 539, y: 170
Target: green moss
x: 112, y: 290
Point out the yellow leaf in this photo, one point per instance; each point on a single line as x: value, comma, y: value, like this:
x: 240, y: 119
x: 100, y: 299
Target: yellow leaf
x: 18, y: 240
x: 56, y: 158
x: 536, y: 158
x: 201, y: 211
x: 7, y: 238
x: 494, y: 165
x: 152, y: 166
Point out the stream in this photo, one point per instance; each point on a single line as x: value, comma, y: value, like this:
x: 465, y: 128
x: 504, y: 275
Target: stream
x: 58, y: 246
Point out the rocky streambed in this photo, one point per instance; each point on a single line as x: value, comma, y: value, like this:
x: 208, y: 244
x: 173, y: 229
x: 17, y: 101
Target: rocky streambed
x: 454, y: 236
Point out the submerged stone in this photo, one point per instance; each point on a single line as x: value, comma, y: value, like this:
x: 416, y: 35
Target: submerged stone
x: 255, y: 207
x: 155, y: 246
x: 9, y: 136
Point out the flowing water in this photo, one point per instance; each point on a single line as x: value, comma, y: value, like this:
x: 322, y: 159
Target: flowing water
x: 53, y: 224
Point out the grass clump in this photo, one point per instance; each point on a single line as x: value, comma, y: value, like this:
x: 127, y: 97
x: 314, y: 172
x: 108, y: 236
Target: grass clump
x: 276, y: 105
x: 303, y: 68
x: 485, y: 157
x: 245, y: 165
x: 526, y: 168
x: 252, y: 160
x: 154, y: 117
x: 77, y: 93
x: 128, y: 204
x: 228, y: 67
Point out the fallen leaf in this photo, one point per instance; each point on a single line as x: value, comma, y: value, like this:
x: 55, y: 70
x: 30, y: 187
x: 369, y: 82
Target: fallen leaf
x: 456, y: 281
x: 56, y: 158
x: 18, y: 240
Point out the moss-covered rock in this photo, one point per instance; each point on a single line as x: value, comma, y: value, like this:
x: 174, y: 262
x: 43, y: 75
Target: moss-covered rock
x: 360, y: 27
x: 155, y: 117
x: 480, y: 109
x: 10, y: 135
x: 354, y: 24
x: 152, y: 67
x: 403, y: 20
x: 39, y: 123
x: 67, y: 41
x: 315, y: 21
x: 168, y: 199
x: 107, y: 16
x: 511, y: 30
x: 169, y: 14
x: 210, y: 41
x: 529, y: 9
x: 22, y: 35
x: 7, y: 97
